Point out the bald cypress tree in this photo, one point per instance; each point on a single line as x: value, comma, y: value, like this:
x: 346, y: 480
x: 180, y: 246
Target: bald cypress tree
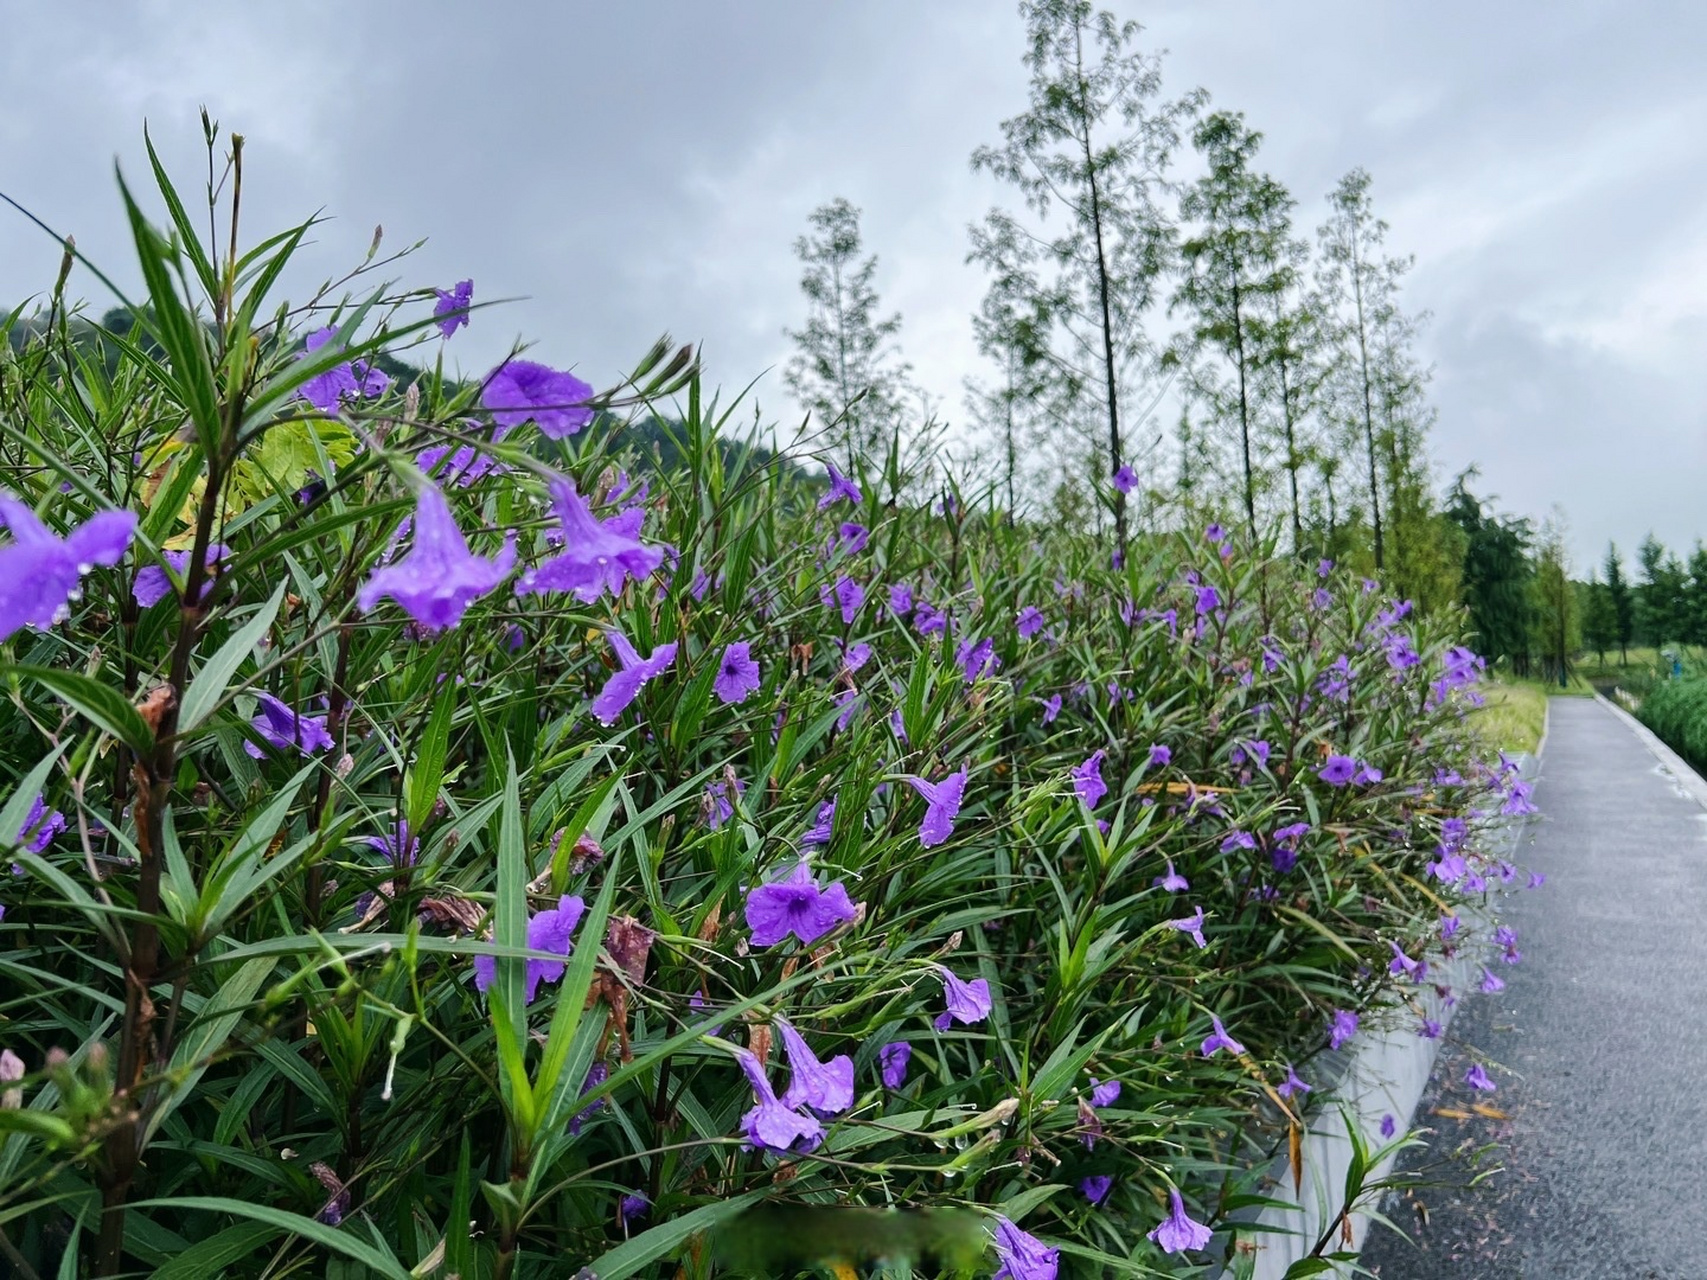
x: 1622, y: 604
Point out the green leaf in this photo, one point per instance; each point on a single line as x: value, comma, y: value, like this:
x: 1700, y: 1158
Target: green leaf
x: 211, y: 1257
x: 107, y: 707
x: 385, y: 1263
x: 17, y: 809
x: 209, y: 685
x: 647, y: 1247
x: 205, y: 1036
x: 505, y: 998
x: 426, y: 775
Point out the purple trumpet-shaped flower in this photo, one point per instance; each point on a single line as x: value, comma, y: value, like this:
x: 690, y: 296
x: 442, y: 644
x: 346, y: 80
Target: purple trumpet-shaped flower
x: 1338, y: 771
x: 1192, y: 925
x: 1178, y: 1232
x: 625, y: 683
x: 1029, y: 622
x: 152, y: 584
x: 942, y: 805
x: 1023, y: 1256
x: 439, y: 578
x: 1430, y: 1029
x: 1160, y: 756
x: 1402, y: 963
x: 772, y: 1125
x: 1219, y: 1039
x: 1344, y: 1028
x: 1238, y: 840
x: 1087, y: 780
x: 821, y: 830
x: 283, y: 727
x: 40, y: 573
x: 737, y: 674
x: 1477, y: 1078
x: 520, y: 389
x: 1104, y: 1093
x: 41, y: 824
x: 978, y: 659
x: 1292, y: 1084
x: 853, y: 538
x: 1208, y: 600
x: 633, y: 1206
x: 1449, y: 926
x: 597, y: 1074
x: 1491, y: 982
x: 1173, y: 882
x: 1051, y: 707
x: 796, y: 905
x: 549, y: 930
x: 1388, y: 1126
x: 968, y: 1002
x: 1126, y: 479
x: 826, y: 1087
x: 846, y: 595
x: 892, y: 1060
x: 398, y: 846
x: 840, y: 487
x: 451, y: 310
x: 598, y: 555
x: 350, y: 381
x: 1096, y: 1187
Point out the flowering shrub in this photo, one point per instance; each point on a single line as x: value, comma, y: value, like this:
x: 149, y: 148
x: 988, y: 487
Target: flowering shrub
x: 428, y: 813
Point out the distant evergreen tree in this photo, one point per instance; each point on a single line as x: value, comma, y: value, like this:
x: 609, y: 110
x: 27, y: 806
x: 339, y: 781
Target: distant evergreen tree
x: 1496, y: 577
x: 847, y: 367
x: 1661, y: 599
x: 1555, y: 622
x: 1695, y: 598
x: 1600, y: 622
x: 1622, y: 604
x: 1091, y: 150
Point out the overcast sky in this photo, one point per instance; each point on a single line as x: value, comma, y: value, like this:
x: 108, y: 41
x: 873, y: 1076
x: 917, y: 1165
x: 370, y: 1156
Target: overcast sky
x: 638, y: 167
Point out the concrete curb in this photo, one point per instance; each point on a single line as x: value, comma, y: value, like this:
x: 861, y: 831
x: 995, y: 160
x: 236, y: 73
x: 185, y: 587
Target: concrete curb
x: 1682, y: 773
x: 1385, y: 1074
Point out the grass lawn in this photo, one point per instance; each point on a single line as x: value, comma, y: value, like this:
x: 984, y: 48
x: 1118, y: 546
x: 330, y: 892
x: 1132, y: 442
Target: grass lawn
x: 1515, y: 714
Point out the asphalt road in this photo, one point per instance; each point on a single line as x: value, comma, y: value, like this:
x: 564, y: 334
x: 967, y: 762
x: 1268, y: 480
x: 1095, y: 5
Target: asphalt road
x: 1598, y: 1044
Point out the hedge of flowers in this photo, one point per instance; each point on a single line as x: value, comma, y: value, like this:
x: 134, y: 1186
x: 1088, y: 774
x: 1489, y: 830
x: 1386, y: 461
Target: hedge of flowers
x: 449, y: 843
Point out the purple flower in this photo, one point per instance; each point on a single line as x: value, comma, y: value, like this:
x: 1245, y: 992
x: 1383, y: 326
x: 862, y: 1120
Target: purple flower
x: 1387, y: 1126
x: 900, y: 599
x: 633, y: 1206
x: 1096, y: 1187
x: 1087, y: 780
x: 853, y: 537
x: 1343, y: 1029
x: 820, y: 831
x: 1219, y: 1039
x: 1238, y: 840
x: 152, y: 585
x: 968, y: 1002
x: 1051, y: 707
x: 1338, y: 771
x: 846, y: 595
x: 40, y: 573
x: 795, y: 904
x: 520, y: 389
x: 1292, y: 1084
x: 451, y: 310
x: 826, y: 1087
x: 1173, y: 882
x: 1104, y: 1094
x: 1491, y: 983
x: 718, y: 804
x: 737, y: 674
x: 1477, y: 1078
x: 1430, y: 1029
x: 1178, y: 1232
x: 397, y: 846
x: 1160, y: 756
x: 1193, y: 925
x: 856, y: 655
x: 1449, y: 927
x: 342, y: 382
x: 1324, y: 568
x: 597, y: 1074
x: 942, y: 805
x: 1023, y: 1256
x: 625, y: 683
x: 1536, y: 879
x: 1208, y: 600
x: 1402, y: 963
x: 928, y: 620
x: 283, y: 727
x: 892, y: 1059
x: 977, y: 659
x: 40, y: 826
x: 1125, y: 479
x: 439, y: 578
x: 598, y: 555
x: 772, y: 1125
x: 549, y: 930
x: 1029, y: 622
x: 840, y: 487
x: 1367, y: 773
x: 467, y: 464
x: 1517, y: 801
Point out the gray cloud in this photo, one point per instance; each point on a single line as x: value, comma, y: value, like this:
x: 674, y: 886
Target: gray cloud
x: 627, y: 169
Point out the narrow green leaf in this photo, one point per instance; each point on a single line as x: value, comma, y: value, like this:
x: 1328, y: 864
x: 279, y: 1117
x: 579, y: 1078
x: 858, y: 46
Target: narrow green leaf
x: 505, y: 998
x: 208, y: 685
x: 207, y: 1035
x: 17, y: 809
x: 647, y: 1247
x: 385, y: 1263
x: 426, y: 774
x: 107, y: 707
x: 211, y: 1257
